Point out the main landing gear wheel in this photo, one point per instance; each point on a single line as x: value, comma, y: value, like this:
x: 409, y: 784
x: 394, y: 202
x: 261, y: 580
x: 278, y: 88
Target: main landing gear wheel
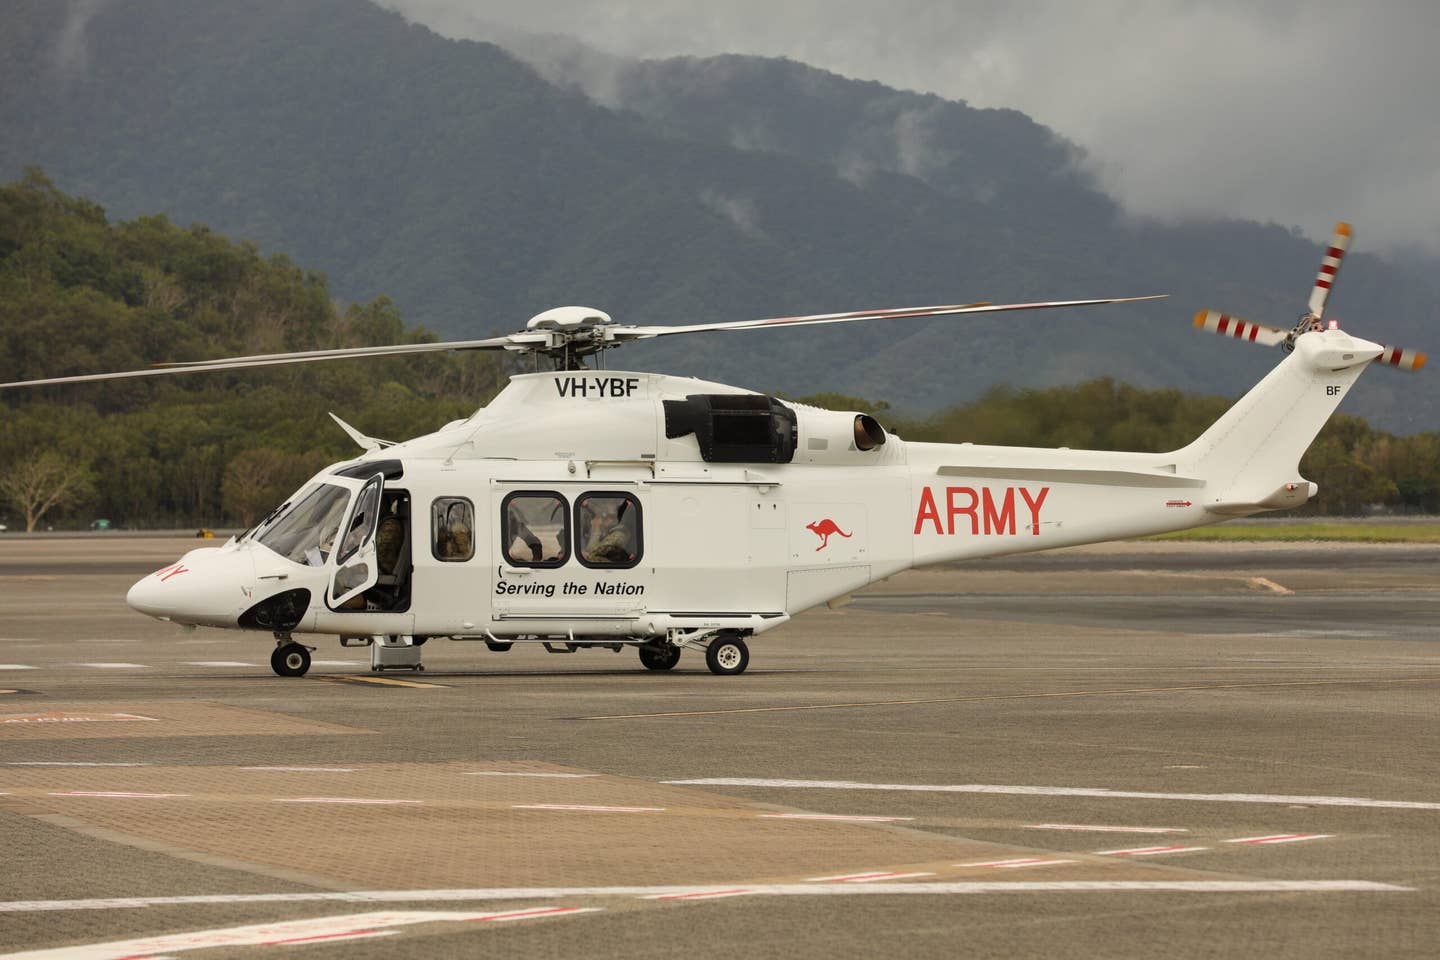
x: 727, y: 656
x: 660, y: 656
x: 290, y: 660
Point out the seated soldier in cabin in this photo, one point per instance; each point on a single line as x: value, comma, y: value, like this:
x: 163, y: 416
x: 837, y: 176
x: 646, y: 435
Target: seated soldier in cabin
x: 455, y: 539
x: 389, y: 544
x: 609, y: 539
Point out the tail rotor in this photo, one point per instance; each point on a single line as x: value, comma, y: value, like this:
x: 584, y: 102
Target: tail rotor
x: 1226, y: 325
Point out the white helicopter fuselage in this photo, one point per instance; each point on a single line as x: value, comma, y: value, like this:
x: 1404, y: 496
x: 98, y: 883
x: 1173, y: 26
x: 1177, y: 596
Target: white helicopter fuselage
x: 738, y: 511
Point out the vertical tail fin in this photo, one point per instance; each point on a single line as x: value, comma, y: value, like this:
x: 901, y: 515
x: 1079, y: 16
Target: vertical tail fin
x: 1250, y: 457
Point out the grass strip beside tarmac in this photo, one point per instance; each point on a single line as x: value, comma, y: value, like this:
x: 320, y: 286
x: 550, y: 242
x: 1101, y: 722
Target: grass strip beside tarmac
x: 1350, y: 532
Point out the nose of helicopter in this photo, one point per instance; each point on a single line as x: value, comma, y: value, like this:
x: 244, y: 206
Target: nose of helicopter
x: 209, y: 586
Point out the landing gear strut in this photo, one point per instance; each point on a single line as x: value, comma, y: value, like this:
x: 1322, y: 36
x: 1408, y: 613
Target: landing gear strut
x: 290, y: 659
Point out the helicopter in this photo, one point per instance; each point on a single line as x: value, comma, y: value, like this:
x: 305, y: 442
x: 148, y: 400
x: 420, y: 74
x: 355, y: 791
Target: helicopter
x: 588, y: 508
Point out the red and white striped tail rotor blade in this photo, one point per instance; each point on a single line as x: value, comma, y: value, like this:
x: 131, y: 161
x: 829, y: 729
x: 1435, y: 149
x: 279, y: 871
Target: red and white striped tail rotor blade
x: 1401, y: 357
x: 1329, y: 267
x: 1228, y: 326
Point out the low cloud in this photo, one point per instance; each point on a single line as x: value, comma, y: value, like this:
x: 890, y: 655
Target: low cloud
x: 740, y: 211
x: 1272, y: 110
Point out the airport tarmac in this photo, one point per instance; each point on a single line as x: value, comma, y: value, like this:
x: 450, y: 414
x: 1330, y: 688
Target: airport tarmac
x: 1157, y: 749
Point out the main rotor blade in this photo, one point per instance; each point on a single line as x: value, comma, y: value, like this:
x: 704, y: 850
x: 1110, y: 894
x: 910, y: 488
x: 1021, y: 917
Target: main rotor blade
x: 647, y: 332
x: 276, y: 359
x: 1329, y: 268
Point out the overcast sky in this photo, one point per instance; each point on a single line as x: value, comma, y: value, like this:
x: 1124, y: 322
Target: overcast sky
x: 1296, y: 112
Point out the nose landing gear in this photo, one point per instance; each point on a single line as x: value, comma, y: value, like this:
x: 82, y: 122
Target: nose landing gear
x: 289, y: 659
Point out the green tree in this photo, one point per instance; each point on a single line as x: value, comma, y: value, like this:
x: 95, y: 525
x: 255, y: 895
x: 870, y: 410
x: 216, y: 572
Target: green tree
x: 44, y: 482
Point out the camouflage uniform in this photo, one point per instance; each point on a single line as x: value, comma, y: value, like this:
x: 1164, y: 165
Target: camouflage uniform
x: 388, y: 541
x: 611, y: 545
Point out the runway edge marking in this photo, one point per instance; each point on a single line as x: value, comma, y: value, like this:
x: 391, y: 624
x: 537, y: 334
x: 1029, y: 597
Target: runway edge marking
x: 1018, y: 790
x: 777, y: 889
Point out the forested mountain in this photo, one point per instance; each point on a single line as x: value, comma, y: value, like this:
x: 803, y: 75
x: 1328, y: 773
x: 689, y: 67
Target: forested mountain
x: 456, y: 180
x: 78, y: 292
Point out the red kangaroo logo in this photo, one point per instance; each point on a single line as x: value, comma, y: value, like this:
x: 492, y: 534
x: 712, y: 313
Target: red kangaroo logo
x: 823, y: 529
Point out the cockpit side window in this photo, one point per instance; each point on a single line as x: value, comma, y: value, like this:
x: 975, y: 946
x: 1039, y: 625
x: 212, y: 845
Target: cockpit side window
x: 362, y: 519
x: 307, y: 533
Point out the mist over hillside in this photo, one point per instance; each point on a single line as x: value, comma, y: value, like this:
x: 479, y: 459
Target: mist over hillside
x: 476, y: 192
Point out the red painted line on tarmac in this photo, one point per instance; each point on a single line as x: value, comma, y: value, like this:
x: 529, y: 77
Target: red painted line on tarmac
x: 1145, y: 851
x: 582, y: 806
x: 1097, y: 828
x: 541, y: 912
x: 341, y: 800
x: 832, y: 816
x: 863, y: 877
x: 114, y: 793
x: 348, y: 935
x: 702, y: 895
x: 1282, y: 838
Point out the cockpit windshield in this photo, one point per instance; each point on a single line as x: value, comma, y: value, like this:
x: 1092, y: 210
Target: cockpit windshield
x: 306, y: 534
x: 256, y: 530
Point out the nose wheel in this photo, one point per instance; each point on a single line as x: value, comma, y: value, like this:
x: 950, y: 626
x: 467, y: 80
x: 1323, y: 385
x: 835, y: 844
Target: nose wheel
x: 290, y: 660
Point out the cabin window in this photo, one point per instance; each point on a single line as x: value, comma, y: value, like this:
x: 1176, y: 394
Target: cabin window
x: 608, y: 530
x: 452, y: 529
x: 535, y: 529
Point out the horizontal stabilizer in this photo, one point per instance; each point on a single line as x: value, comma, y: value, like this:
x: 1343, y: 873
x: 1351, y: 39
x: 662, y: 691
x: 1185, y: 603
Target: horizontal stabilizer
x: 1285, y: 497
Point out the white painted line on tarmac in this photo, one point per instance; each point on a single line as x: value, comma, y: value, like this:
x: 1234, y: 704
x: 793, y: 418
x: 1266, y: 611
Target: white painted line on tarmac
x: 866, y: 877
x: 335, y: 663
x: 700, y: 895
x: 115, y: 793
x: 304, y: 769
x: 218, y: 663
x: 593, y: 808
x: 832, y: 816
x: 68, y: 763
x: 318, y: 929
x: 773, y: 889
x: 15, y: 666
x: 1097, y: 828
x: 343, y: 800
x: 1028, y: 791
x: 1283, y: 838
x: 538, y: 912
x: 114, y: 666
x: 511, y: 773
x: 1018, y: 862
x: 1146, y: 851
